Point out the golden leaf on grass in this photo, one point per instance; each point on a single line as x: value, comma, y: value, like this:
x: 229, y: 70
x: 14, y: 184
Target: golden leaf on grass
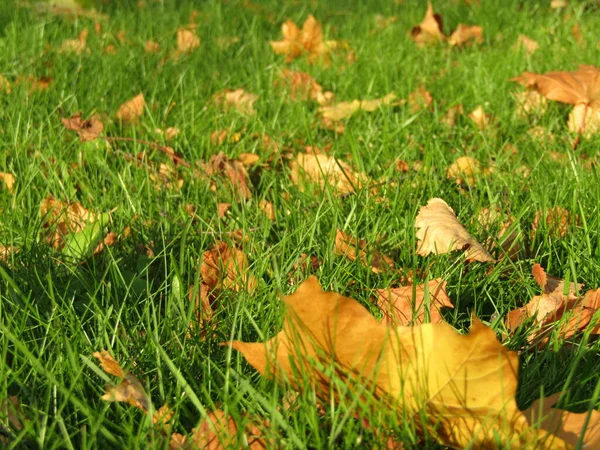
x: 452, y: 114
x: 353, y: 249
x: 218, y: 431
x: 465, y: 34
x: 187, y: 41
x: 414, y: 305
x: 302, y: 86
x: 528, y: 44
x: 343, y: 110
x: 87, y: 130
x: 78, y: 45
x: 308, y: 40
x: 8, y: 179
x: 458, y: 389
x: 325, y: 170
x: 129, y: 390
x: 584, y: 120
x: 578, y: 34
x: 558, y: 221
x: 227, y: 268
x: 481, y: 119
x: 429, y: 31
x: 439, y: 231
x: 508, y: 235
x: 238, y: 99
x: 132, y: 109
x: 530, y: 102
x: 61, y: 219
x: 465, y: 170
x: 268, y: 209
x: 168, y: 133
x: 420, y: 99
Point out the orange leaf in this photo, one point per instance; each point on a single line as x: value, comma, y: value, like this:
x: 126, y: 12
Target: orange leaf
x: 225, y: 267
x: 429, y: 31
x: 87, y: 130
x: 131, y: 110
x: 465, y: 34
x: 346, y: 245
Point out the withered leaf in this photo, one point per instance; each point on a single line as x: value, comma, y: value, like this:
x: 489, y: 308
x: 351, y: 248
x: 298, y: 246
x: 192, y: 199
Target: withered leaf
x: 465, y: 34
x: 353, y: 248
x: 187, y: 41
x: 87, y: 130
x: 9, y: 181
x: 226, y: 267
x: 439, y: 231
x: 238, y: 99
x: 131, y: 110
x: 429, y: 31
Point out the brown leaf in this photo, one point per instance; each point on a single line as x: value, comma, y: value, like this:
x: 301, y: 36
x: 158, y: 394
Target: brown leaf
x: 557, y: 219
x: 580, y: 86
x: 9, y: 181
x: 410, y: 305
x: 238, y: 99
x: 301, y: 85
x: 59, y: 219
x: 429, y: 31
x: 584, y: 120
x: 452, y: 115
x: 234, y: 171
x: 353, y: 249
x: 227, y: 268
x: 465, y: 170
x: 530, y: 103
x: 131, y: 110
x: 457, y: 389
x: 465, y: 34
x: 151, y: 47
x: 187, y: 41
x: 87, y: 130
x: 439, y: 231
x: 78, y: 45
x: 481, y: 119
x: 344, y: 110
x: 268, y: 208
x: 528, y: 44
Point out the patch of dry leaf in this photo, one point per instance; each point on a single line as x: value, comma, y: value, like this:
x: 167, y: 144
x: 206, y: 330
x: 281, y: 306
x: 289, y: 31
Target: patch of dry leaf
x: 358, y: 249
x: 430, y: 31
x: 236, y: 99
x: 88, y: 129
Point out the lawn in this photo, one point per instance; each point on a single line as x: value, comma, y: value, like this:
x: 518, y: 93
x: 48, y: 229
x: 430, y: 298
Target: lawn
x: 180, y: 273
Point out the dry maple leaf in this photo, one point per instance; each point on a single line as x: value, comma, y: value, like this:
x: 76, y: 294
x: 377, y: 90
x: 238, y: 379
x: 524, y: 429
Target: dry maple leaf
x: 412, y: 305
x: 9, y: 181
x: 87, y: 130
x: 465, y: 34
x: 131, y: 110
x: 439, y: 231
x: 238, y: 99
x: 308, y: 40
x: 458, y: 389
x: 325, y: 170
x: 226, y: 267
x: 129, y: 390
x: 353, y: 249
x: 429, y: 31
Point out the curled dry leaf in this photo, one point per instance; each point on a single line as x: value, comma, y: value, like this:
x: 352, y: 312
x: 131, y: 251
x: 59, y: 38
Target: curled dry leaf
x: 227, y: 268
x: 8, y: 179
x: 223, y: 209
x: 429, y: 31
x: 439, y: 231
x: 131, y: 110
x: 353, y: 248
x: 528, y: 44
x: 325, y: 170
x: 238, y: 99
x: 465, y: 34
x: 414, y: 305
x: 129, y: 390
x: 233, y: 171
x: 458, y: 389
x: 87, y: 130
x: 308, y: 40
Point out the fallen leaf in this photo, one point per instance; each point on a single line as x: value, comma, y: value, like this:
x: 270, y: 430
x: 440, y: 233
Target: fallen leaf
x: 169, y: 132
x: 87, y: 130
x: 268, y: 209
x: 458, y: 389
x: 238, y: 99
x: 558, y: 221
x: 131, y: 110
x: 584, y: 120
x: 78, y: 45
x: 166, y: 176
x: 9, y: 181
x: 227, y: 268
x: 344, y: 110
x: 530, y: 103
x: 302, y: 86
x: 129, y: 390
x: 151, y: 47
x: 187, y: 41
x: 465, y: 170
x: 480, y: 118
x: 429, y: 31
x: 223, y: 209
x: 414, y: 305
x: 465, y: 34
x: 325, y: 170
x: 60, y: 219
x: 233, y: 171
x: 420, y: 99
x: 308, y: 40
x: 357, y: 249
x: 528, y: 44
x: 452, y: 114
x: 439, y: 231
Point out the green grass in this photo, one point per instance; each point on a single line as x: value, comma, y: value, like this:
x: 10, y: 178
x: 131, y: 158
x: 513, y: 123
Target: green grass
x: 54, y: 314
